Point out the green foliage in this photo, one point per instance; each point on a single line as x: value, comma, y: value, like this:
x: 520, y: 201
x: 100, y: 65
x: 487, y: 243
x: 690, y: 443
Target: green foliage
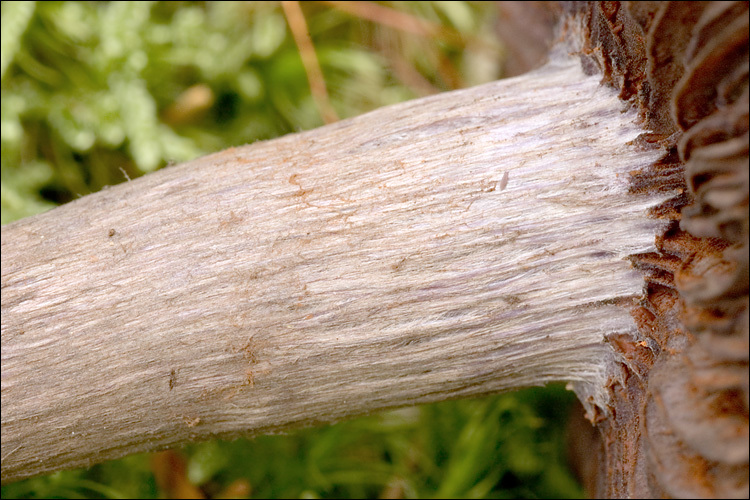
x: 130, y: 477
x: 95, y: 92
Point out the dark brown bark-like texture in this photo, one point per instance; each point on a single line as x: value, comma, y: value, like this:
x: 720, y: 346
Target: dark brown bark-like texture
x: 679, y: 424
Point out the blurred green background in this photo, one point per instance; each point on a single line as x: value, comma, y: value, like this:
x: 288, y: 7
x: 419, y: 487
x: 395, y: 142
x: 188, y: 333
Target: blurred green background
x: 95, y: 93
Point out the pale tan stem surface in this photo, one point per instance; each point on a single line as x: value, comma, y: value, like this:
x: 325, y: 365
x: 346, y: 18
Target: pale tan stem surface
x: 457, y: 245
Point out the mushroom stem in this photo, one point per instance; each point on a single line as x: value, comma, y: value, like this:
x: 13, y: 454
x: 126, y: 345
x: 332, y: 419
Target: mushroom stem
x: 458, y: 245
